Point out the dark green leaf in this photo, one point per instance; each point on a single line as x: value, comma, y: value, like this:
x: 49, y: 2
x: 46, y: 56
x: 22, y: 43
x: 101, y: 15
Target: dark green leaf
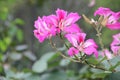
x: 64, y: 62
x: 15, y: 56
x: 92, y: 60
x: 115, y: 63
x: 55, y: 76
x: 113, y: 76
x: 39, y: 66
x: 19, y: 35
x: 19, y: 21
x: 48, y: 56
x: 33, y: 77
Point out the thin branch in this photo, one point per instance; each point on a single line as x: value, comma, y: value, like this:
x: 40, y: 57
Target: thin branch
x: 53, y: 46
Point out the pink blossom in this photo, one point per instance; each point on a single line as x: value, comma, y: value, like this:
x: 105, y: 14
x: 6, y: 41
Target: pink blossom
x: 74, y: 28
x: 44, y: 29
x: 39, y: 36
x: 72, y: 51
x: 78, y: 41
x: 115, y: 45
x: 102, y: 11
x: 90, y: 47
x: 113, y: 22
x: 62, y: 19
x: 107, y: 53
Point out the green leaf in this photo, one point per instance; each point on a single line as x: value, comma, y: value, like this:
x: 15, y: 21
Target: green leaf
x: 19, y: 21
x: 113, y: 76
x: 12, y: 31
x: 115, y: 63
x: 70, y: 73
x: 84, y: 69
x: 19, y: 35
x: 7, y: 40
x: 21, y: 75
x: 113, y: 67
x: 1, y: 57
x: 96, y: 70
x: 64, y: 62
x: 3, y: 46
x: 59, y: 75
x: 2, y: 73
x: 55, y: 56
x: 115, y: 60
x: 117, y: 68
x: 54, y: 61
x: 15, y: 56
x: 33, y: 77
x: 47, y: 56
x: 4, y: 13
x: 97, y: 73
x: 92, y: 60
x: 106, y: 64
x: 11, y: 75
x: 40, y: 66
x: 53, y: 64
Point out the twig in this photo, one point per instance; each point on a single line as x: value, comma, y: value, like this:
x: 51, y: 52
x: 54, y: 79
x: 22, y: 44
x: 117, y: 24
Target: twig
x: 53, y: 46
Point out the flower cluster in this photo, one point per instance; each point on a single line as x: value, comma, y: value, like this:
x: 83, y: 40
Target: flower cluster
x: 65, y: 23
x: 49, y: 26
x: 80, y: 45
x: 113, y: 18
x: 44, y: 28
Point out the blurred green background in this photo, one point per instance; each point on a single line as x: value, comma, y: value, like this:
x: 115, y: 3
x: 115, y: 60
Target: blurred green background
x: 22, y: 57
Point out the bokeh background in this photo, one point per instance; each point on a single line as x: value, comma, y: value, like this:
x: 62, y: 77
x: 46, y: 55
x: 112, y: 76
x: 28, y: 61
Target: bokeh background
x: 22, y: 57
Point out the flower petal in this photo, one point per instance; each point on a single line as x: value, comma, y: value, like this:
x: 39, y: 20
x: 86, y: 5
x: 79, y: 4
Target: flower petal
x: 41, y: 38
x: 91, y: 50
x: 72, y: 51
x: 115, y: 26
x: 103, y: 11
x: 71, y: 18
x: 72, y: 38
x: 61, y: 14
x: 74, y: 28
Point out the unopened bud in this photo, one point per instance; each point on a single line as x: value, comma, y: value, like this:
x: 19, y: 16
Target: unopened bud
x: 104, y: 21
x: 87, y: 19
x: 100, y: 19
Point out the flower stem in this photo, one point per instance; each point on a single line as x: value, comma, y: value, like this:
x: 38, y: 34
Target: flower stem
x: 61, y: 37
x: 100, y: 39
x: 54, y: 46
x: 94, y: 66
x: 101, y: 44
x: 78, y: 60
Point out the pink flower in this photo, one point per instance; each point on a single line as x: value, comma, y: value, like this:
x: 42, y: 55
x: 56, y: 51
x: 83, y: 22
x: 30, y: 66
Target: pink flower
x: 72, y: 51
x: 74, y: 28
x: 39, y: 36
x: 113, y: 22
x: 103, y: 12
x: 78, y: 41
x: 90, y: 47
x: 44, y: 29
x: 107, y: 53
x: 115, y: 45
x: 62, y: 19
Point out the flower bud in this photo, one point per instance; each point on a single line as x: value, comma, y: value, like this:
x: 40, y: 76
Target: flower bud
x: 104, y: 21
x: 87, y: 19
